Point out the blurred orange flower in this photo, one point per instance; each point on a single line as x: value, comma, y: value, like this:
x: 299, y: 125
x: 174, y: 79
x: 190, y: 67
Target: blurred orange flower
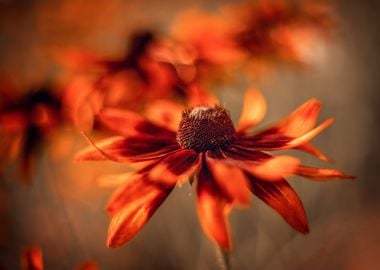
x: 277, y: 30
x: 26, y: 122
x: 31, y: 259
x: 227, y: 163
x: 137, y: 76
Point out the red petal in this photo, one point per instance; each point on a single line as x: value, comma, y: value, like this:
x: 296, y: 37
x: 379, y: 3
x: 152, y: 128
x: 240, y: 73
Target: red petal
x: 213, y: 209
x: 128, y: 123
x: 176, y: 167
x: 136, y: 188
x: 31, y: 259
x: 277, y: 141
x: 299, y: 122
x: 283, y: 199
x: 322, y: 173
x: 134, y: 204
x: 230, y: 180
x: 128, y: 149
x: 254, y: 109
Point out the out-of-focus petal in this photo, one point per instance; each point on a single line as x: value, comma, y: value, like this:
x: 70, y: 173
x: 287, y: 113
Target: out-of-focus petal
x: 254, y: 109
x: 213, y: 209
x: 133, y: 205
x: 175, y: 168
x: 199, y: 97
x: 231, y: 181
x: 88, y: 266
x: 272, y: 169
x: 311, y: 149
x: 129, y: 123
x: 283, y: 199
x: 165, y: 113
x: 81, y: 102
x: 322, y: 174
x: 31, y: 259
x: 13, y: 122
x: 299, y: 122
x: 128, y: 149
x: 113, y: 180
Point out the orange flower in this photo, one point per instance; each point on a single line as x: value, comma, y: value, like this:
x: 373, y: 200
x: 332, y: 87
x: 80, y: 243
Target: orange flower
x: 26, y: 122
x: 118, y: 82
x: 31, y: 259
x: 280, y: 30
x: 228, y: 163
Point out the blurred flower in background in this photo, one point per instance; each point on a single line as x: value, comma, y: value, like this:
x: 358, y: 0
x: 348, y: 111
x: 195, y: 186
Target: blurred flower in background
x: 27, y: 120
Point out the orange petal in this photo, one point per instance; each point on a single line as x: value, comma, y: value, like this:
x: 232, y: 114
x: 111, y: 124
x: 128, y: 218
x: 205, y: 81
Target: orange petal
x: 311, y: 134
x: 311, y: 149
x: 113, y: 180
x: 31, y: 259
x: 139, y: 201
x: 177, y: 167
x: 213, y: 208
x: 274, y: 168
x: 277, y: 141
x: 199, y: 97
x: 322, y: 173
x: 300, y: 121
x: 137, y: 188
x: 283, y: 199
x: 127, y: 149
x: 254, y: 109
x: 165, y: 113
x: 231, y: 181
x: 129, y: 123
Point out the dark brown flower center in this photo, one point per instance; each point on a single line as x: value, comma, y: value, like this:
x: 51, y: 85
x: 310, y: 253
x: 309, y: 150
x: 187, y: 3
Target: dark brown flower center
x: 205, y: 128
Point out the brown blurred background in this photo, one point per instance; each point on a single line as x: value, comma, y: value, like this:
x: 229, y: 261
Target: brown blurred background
x: 63, y: 210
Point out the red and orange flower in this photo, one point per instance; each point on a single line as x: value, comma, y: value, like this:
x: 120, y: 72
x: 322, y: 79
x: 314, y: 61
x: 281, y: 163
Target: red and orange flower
x: 228, y: 164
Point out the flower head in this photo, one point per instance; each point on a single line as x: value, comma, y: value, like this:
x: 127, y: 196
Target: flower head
x: 228, y: 164
x: 26, y: 123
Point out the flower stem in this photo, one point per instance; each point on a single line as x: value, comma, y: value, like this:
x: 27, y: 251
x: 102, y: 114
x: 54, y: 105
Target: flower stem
x: 223, y: 258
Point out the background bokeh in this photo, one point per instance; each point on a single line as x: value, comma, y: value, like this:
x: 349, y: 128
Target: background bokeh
x: 63, y: 210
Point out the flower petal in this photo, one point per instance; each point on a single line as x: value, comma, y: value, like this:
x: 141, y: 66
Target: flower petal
x: 31, y: 259
x: 231, y: 181
x: 283, y: 199
x: 213, y: 208
x: 322, y: 173
x: 254, y: 109
x: 177, y: 167
x: 272, y: 169
x: 129, y: 123
x: 133, y: 205
x: 128, y: 149
x: 276, y: 141
x: 136, y: 188
x: 299, y: 122
x: 165, y: 113
x: 311, y: 149
x: 199, y: 97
